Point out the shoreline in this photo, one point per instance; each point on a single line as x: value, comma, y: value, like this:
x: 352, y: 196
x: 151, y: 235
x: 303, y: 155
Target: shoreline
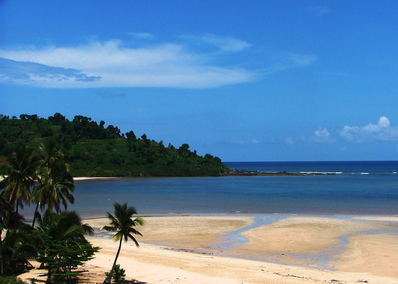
x: 254, y: 249
x: 96, y: 178
x: 231, y: 173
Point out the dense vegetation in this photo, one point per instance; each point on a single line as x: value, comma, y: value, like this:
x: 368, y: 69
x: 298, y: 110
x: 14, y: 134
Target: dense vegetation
x: 96, y: 150
x: 40, y: 175
x: 38, y: 159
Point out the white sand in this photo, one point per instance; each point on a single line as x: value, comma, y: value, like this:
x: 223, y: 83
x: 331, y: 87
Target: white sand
x: 367, y: 258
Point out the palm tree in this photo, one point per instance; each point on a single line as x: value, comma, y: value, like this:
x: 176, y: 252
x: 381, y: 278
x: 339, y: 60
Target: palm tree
x: 67, y: 226
x: 20, y: 176
x: 5, y: 211
x: 17, y: 246
x: 123, y: 224
x: 56, y: 187
x: 61, y: 233
x: 50, y: 153
x: 5, y: 208
x: 55, y: 181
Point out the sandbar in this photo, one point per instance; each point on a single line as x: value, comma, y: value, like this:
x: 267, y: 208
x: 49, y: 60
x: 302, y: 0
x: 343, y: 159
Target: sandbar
x: 189, y: 249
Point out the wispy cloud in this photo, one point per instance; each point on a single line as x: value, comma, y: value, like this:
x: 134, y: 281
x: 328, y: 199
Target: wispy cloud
x: 142, y: 35
x: 246, y: 142
x: 342, y: 74
x: 319, y: 10
x: 382, y: 131
x: 113, y: 64
x: 223, y: 44
x: 255, y: 141
x: 290, y: 140
x: 109, y: 94
x: 285, y: 61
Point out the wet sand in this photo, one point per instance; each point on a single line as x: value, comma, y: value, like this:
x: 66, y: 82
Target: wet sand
x: 294, y: 249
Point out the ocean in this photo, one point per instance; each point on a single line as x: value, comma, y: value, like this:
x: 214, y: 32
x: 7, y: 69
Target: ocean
x: 344, y: 188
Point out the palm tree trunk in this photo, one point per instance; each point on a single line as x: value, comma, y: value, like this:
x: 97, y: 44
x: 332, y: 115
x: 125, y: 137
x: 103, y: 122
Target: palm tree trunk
x: 48, y: 281
x: 108, y: 279
x: 34, y: 214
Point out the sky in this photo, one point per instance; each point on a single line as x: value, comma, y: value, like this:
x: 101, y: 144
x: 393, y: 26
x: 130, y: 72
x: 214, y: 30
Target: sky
x: 287, y: 80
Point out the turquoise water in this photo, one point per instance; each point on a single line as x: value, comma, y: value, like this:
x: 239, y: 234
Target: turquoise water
x: 359, y: 188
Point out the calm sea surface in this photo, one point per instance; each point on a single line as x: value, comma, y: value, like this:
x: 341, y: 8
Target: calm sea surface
x: 353, y: 188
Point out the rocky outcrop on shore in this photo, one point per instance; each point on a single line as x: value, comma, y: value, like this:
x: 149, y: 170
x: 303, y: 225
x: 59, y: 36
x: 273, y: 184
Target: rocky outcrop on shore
x: 235, y: 172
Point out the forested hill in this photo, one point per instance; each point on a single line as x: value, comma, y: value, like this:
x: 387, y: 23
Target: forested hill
x: 96, y: 150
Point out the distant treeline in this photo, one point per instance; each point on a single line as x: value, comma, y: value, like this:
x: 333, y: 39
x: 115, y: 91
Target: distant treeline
x: 96, y: 150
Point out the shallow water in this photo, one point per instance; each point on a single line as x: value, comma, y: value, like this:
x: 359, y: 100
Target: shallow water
x: 349, y: 193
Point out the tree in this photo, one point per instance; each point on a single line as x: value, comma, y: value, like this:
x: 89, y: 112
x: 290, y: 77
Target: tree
x: 63, y: 245
x: 123, y: 224
x: 5, y: 208
x: 55, y: 181
x: 20, y: 176
x: 118, y: 274
x: 131, y: 138
x: 11, y: 280
x: 17, y: 246
x: 57, y: 118
x: 50, y: 153
x: 55, y: 188
x: 184, y: 151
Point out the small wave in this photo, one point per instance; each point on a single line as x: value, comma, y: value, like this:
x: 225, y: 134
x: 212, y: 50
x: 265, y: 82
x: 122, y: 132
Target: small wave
x: 364, y: 173
x: 321, y: 173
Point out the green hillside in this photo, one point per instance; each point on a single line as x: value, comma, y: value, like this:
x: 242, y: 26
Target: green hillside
x: 96, y: 150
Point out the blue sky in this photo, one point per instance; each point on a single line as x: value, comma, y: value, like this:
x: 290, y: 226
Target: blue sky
x: 241, y: 80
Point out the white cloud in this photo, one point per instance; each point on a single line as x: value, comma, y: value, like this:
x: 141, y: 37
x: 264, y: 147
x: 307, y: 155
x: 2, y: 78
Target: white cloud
x: 323, y: 135
x: 112, y: 64
x: 382, y: 131
x: 166, y: 65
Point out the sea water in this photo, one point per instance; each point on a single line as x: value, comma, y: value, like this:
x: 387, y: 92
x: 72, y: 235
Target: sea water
x: 344, y: 188
x: 354, y: 188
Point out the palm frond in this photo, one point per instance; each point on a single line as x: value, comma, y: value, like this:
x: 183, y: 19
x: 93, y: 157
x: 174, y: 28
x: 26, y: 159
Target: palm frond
x: 134, y: 240
x: 109, y: 228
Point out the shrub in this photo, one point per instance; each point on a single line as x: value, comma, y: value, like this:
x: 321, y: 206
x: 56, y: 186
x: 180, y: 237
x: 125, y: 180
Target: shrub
x: 118, y: 274
x: 11, y: 280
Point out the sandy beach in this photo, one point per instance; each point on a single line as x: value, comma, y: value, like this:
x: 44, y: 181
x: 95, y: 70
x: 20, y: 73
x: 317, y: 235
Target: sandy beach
x: 293, y: 249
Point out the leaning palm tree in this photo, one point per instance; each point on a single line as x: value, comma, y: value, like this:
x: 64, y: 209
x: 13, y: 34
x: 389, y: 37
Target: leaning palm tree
x: 123, y: 224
